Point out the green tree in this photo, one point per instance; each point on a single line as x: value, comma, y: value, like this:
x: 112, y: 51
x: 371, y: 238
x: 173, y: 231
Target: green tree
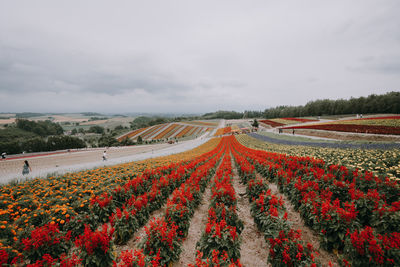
x: 96, y: 129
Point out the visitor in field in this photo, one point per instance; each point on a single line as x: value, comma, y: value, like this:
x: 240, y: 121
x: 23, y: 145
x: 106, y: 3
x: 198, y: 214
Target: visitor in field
x: 104, y: 155
x: 26, y: 168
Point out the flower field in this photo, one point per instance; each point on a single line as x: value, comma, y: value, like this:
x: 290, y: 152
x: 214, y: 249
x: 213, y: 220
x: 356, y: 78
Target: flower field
x: 78, y: 219
x: 169, y: 130
x: 356, y: 213
x: 222, y: 131
x: 375, y: 125
x: 285, y: 121
x: 379, y: 162
x: 75, y: 199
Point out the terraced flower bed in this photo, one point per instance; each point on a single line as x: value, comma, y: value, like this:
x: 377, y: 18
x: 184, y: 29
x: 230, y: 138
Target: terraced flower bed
x: 222, y: 131
x: 379, y: 162
x: 61, y: 207
x: 165, y: 131
x: 78, y: 219
x: 376, y: 125
x: 354, y: 212
x: 285, y: 121
x: 272, y: 123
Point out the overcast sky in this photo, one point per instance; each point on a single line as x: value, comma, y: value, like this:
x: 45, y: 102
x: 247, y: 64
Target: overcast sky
x: 194, y: 56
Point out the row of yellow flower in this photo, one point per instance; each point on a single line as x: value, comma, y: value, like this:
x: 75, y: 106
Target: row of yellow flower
x: 379, y: 162
x: 56, y: 199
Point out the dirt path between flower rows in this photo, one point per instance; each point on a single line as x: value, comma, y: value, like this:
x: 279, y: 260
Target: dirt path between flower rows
x: 254, y: 249
x: 308, y: 235
x: 134, y: 242
x: 197, y: 224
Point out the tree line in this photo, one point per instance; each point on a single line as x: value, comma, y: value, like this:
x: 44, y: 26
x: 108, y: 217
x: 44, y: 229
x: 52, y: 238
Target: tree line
x: 385, y: 103
x: 32, y: 136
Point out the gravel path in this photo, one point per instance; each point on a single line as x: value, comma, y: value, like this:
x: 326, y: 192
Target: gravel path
x: 324, y: 144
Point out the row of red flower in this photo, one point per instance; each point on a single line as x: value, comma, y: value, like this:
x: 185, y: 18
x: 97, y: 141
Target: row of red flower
x: 162, y: 242
x: 352, y: 128
x: 270, y: 216
x: 338, y: 203
x: 136, y: 199
x: 272, y: 123
x: 219, y: 244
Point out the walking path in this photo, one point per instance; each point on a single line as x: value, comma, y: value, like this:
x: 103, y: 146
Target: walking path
x: 57, y: 164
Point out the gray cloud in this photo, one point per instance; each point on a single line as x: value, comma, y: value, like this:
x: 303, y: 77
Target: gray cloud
x: 193, y: 56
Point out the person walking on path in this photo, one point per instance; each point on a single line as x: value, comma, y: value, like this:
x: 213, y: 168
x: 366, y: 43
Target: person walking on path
x: 26, y: 168
x: 104, y: 155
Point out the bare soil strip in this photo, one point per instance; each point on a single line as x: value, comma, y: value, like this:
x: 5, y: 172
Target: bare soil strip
x: 133, y: 243
x: 197, y: 224
x: 254, y: 249
x: 308, y: 235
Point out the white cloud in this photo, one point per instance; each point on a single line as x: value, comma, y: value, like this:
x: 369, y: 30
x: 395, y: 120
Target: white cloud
x: 168, y: 56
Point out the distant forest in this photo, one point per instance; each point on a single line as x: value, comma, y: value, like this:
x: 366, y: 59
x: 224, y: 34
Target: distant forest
x: 31, y: 136
x: 386, y: 103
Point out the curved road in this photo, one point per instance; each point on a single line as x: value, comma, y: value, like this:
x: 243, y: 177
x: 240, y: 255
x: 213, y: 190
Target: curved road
x: 325, y: 144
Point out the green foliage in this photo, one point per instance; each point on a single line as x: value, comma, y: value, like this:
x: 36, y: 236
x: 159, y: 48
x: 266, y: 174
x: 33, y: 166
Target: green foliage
x: 386, y: 103
x: 42, y: 128
x: 37, y: 144
x: 12, y: 133
x: 28, y: 115
x: 108, y: 140
x: 91, y: 114
x: 96, y: 129
x: 119, y: 128
x: 221, y: 114
x: 64, y: 142
x: 97, y: 118
x: 255, y: 123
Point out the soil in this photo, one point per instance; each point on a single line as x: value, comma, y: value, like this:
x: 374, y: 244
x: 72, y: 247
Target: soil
x: 197, y: 224
x: 134, y: 242
x: 254, y: 249
x: 7, y: 121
